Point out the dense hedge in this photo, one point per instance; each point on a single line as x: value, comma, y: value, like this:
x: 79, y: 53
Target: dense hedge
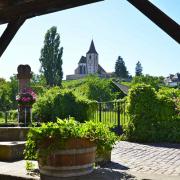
x: 154, y: 116
x: 61, y: 103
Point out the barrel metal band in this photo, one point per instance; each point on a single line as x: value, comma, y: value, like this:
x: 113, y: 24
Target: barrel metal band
x: 66, y: 167
x: 75, y: 151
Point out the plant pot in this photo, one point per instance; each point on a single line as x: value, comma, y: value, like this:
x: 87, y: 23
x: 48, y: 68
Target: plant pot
x: 75, y: 158
x: 103, y: 158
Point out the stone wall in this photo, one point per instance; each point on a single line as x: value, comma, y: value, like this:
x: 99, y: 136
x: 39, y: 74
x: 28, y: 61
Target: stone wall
x: 80, y: 76
x: 75, y: 76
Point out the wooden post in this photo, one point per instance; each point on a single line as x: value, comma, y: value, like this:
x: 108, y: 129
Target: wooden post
x: 9, y: 34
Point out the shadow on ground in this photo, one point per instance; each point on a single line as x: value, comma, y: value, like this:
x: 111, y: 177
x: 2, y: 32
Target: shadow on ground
x: 98, y: 174
x: 114, y: 165
x: 165, y: 145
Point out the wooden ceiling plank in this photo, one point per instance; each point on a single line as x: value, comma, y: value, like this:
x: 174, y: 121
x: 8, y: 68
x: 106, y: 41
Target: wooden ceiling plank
x: 31, y: 8
x: 9, y: 34
x: 158, y: 17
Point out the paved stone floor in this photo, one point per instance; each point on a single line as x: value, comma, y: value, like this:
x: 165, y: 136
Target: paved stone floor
x: 129, y: 161
x: 162, y: 159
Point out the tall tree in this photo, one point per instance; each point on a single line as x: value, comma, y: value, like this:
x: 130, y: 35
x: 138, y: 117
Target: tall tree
x: 51, y: 58
x: 5, y: 101
x: 138, y: 69
x: 120, y: 68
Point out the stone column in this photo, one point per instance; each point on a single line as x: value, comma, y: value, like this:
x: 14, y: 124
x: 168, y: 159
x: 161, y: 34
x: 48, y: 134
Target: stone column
x: 24, y: 110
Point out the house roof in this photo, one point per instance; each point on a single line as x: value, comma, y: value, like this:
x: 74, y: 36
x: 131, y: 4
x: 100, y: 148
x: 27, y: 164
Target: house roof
x: 177, y: 77
x: 101, y: 69
x: 82, y: 60
x: 92, y: 48
x: 123, y: 88
x: 173, y: 78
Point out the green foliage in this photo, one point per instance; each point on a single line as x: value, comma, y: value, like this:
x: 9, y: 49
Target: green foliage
x: 51, y: 58
x: 138, y: 69
x: 30, y: 166
x: 174, y: 95
x: 152, y: 115
x: 55, y: 134
x: 169, y: 92
x: 13, y: 84
x: 13, y: 115
x: 5, y: 92
x: 99, y: 133
x: 155, y: 82
x: 120, y: 68
x: 61, y: 103
x: 94, y: 88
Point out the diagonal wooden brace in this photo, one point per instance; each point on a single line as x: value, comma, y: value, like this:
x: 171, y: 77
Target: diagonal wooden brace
x: 158, y: 17
x: 9, y: 33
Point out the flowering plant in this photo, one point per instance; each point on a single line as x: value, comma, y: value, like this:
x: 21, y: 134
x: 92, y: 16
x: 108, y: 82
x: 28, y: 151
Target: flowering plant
x: 26, y: 97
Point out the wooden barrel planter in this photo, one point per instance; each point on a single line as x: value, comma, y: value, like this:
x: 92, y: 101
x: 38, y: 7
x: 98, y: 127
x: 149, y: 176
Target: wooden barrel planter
x: 75, y: 159
x: 103, y: 158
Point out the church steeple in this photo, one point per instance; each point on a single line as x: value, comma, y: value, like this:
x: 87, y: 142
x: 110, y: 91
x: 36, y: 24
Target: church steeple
x: 92, y: 48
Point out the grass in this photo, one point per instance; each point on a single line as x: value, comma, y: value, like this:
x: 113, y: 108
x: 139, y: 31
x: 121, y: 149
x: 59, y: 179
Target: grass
x: 9, y: 120
x: 111, y: 117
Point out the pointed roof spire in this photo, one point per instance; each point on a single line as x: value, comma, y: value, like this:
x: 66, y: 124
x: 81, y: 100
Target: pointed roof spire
x: 92, y: 48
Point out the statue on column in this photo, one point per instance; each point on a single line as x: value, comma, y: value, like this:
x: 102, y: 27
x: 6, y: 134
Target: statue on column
x: 26, y: 97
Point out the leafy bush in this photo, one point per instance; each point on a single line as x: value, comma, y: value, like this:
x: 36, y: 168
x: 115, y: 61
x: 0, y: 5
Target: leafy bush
x: 61, y: 103
x: 153, y: 116
x: 1, y: 114
x: 173, y: 94
x: 154, y: 81
x: 13, y: 114
x: 55, y: 134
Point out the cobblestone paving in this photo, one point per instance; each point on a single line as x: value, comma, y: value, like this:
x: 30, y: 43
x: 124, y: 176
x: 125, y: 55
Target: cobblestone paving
x: 155, y: 159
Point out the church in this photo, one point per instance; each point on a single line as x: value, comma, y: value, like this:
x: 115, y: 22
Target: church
x: 88, y: 64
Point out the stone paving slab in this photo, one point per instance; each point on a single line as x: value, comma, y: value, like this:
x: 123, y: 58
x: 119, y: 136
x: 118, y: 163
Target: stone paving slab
x: 162, y: 159
x: 130, y: 161
x: 16, y: 171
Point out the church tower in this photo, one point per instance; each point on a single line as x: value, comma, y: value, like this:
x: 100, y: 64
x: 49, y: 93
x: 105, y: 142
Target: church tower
x: 92, y: 59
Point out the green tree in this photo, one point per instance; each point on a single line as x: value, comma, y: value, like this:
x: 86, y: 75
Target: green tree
x: 154, y: 81
x: 138, y: 69
x: 13, y: 84
x: 51, y: 58
x: 120, y: 68
x: 5, y: 101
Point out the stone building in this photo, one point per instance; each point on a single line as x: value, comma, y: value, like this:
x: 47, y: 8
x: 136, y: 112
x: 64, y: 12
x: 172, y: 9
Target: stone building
x: 88, y: 65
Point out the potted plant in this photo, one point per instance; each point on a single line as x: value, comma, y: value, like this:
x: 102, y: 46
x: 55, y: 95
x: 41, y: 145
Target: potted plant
x: 67, y: 147
x: 26, y: 98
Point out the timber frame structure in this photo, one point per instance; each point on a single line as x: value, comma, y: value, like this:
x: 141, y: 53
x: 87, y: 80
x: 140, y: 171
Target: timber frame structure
x: 15, y: 12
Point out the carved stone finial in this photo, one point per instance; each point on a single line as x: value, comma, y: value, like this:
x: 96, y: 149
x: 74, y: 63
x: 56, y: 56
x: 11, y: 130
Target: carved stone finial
x: 24, y: 72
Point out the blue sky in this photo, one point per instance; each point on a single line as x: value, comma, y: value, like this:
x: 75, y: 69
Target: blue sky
x: 118, y: 29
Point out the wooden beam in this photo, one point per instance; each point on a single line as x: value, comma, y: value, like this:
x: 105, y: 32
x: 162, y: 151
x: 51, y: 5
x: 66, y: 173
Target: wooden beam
x: 9, y: 34
x: 31, y: 8
x: 158, y: 17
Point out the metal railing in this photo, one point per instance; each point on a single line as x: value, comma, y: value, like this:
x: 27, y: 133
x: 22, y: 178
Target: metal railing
x: 9, y: 117
x: 113, y: 113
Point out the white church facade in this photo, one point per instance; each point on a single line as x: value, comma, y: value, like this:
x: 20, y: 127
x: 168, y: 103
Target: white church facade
x: 88, y: 65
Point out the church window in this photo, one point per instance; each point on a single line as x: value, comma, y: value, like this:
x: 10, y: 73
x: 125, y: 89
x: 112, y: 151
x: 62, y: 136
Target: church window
x: 89, y: 56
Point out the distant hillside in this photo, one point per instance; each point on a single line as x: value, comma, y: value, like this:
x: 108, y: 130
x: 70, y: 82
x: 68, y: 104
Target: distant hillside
x: 94, y: 88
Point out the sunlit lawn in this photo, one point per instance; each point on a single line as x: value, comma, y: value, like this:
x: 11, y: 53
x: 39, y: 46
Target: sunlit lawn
x: 111, y: 118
